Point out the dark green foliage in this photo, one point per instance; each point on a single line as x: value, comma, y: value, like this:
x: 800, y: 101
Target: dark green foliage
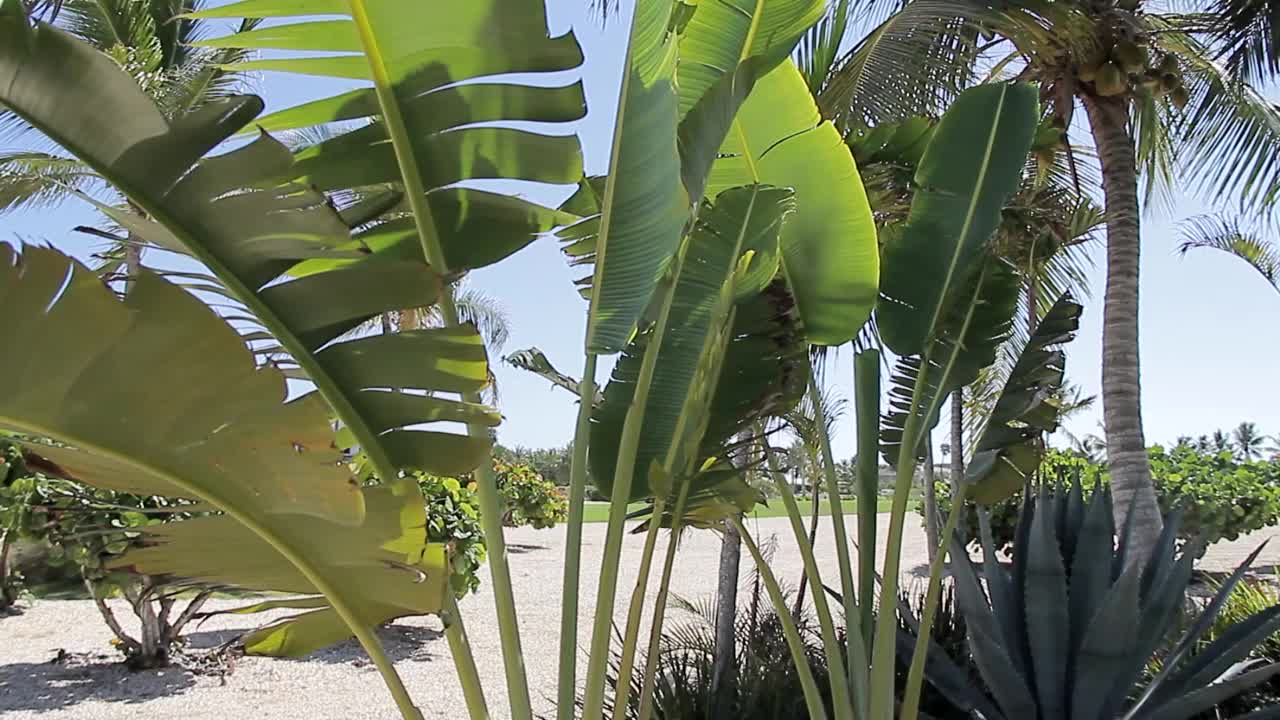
x: 453, y: 514
x: 1073, y: 629
x: 768, y: 687
x: 84, y: 528
x: 453, y: 517
x: 1220, y: 497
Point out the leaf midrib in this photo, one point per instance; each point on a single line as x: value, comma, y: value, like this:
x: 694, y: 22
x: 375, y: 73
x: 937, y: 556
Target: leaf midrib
x: 966, y: 227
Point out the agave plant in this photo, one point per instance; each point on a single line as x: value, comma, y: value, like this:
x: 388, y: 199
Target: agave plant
x: 1075, y: 630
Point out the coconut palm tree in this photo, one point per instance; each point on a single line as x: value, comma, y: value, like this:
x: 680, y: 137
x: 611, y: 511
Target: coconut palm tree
x: 1248, y: 441
x: 1156, y: 102
x: 151, y: 40
x: 1228, y: 236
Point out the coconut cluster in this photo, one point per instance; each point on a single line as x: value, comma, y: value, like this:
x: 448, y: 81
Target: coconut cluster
x: 1126, y: 66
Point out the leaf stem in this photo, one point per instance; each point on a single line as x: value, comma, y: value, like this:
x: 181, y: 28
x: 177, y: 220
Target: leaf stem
x: 844, y: 705
x: 812, y: 697
x: 566, y: 684
x: 919, y: 656
x: 866, y: 380
x: 629, y: 639
x: 660, y: 605
x: 623, y: 476
x: 464, y: 661
x: 850, y: 599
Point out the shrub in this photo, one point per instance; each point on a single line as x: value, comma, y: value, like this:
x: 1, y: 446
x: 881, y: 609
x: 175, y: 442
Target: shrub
x: 527, y: 498
x: 453, y: 518
x: 87, y: 528
x: 1220, y: 497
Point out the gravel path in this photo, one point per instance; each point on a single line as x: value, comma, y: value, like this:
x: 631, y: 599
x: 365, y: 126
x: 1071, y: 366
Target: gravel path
x: 39, y: 680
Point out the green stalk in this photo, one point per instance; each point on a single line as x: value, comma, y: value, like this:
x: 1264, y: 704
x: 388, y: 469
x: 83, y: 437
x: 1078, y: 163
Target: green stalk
x: 866, y: 380
x: 464, y: 661
x: 566, y: 684
x: 629, y: 640
x: 850, y: 598
x: 598, y: 660
x: 844, y: 706
x: 883, y: 654
x: 660, y: 606
x: 812, y: 697
x: 915, y: 675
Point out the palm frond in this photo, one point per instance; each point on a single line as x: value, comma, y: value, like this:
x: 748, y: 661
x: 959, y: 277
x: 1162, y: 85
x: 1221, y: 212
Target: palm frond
x: 1247, y: 36
x: 911, y: 64
x: 37, y: 179
x: 1228, y: 236
x: 1229, y: 134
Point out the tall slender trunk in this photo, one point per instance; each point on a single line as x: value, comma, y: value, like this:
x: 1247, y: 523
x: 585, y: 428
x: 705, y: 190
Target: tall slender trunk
x: 931, y: 524
x: 723, y: 677
x: 8, y: 589
x: 957, y: 458
x: 1131, y: 481
x: 957, y: 439
x: 814, y: 513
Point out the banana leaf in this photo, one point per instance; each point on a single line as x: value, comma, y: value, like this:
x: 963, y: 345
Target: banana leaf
x: 1012, y: 443
x: 829, y: 248
x: 691, y: 404
x: 156, y: 395
x: 233, y: 214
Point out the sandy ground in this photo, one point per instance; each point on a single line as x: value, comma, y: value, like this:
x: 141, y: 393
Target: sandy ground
x: 39, y: 680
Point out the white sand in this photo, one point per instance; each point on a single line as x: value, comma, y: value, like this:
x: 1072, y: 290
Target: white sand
x: 339, y: 682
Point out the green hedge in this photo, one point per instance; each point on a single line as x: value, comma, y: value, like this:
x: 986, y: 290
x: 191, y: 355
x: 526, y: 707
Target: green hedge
x: 1221, y: 497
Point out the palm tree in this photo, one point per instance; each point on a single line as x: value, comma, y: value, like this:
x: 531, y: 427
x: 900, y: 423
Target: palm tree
x: 1248, y: 441
x: 151, y: 40
x: 1156, y: 102
x: 1227, y: 235
x: 1220, y: 442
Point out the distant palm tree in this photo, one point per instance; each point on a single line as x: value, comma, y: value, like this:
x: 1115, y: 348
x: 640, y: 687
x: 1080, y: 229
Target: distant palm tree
x: 152, y: 41
x: 1248, y: 441
x: 1220, y: 442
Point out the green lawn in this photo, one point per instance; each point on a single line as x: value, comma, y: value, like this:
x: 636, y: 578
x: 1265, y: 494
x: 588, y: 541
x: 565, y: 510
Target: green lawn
x: 599, y: 511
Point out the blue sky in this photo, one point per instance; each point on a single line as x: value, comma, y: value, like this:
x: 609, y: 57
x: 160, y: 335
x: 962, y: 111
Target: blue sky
x: 1210, y: 325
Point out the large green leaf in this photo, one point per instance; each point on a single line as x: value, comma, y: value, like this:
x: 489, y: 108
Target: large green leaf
x: 1012, y: 443
x: 976, y: 320
x: 724, y: 49
x: 384, y: 568
x: 643, y: 205
x: 155, y: 394
x: 228, y: 212
x: 972, y: 165
x: 829, y: 250
x: 688, y: 382
x: 439, y: 112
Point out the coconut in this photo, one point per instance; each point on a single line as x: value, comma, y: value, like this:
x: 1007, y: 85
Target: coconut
x: 1180, y: 97
x: 1087, y: 72
x: 1131, y: 57
x: 1111, y: 80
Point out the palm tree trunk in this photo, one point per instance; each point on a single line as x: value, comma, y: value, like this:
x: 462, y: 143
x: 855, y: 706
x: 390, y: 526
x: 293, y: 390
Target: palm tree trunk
x: 1131, y: 481
x: 957, y: 456
x: 814, y: 513
x: 931, y: 524
x: 8, y: 592
x: 957, y: 439
x: 723, y: 674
